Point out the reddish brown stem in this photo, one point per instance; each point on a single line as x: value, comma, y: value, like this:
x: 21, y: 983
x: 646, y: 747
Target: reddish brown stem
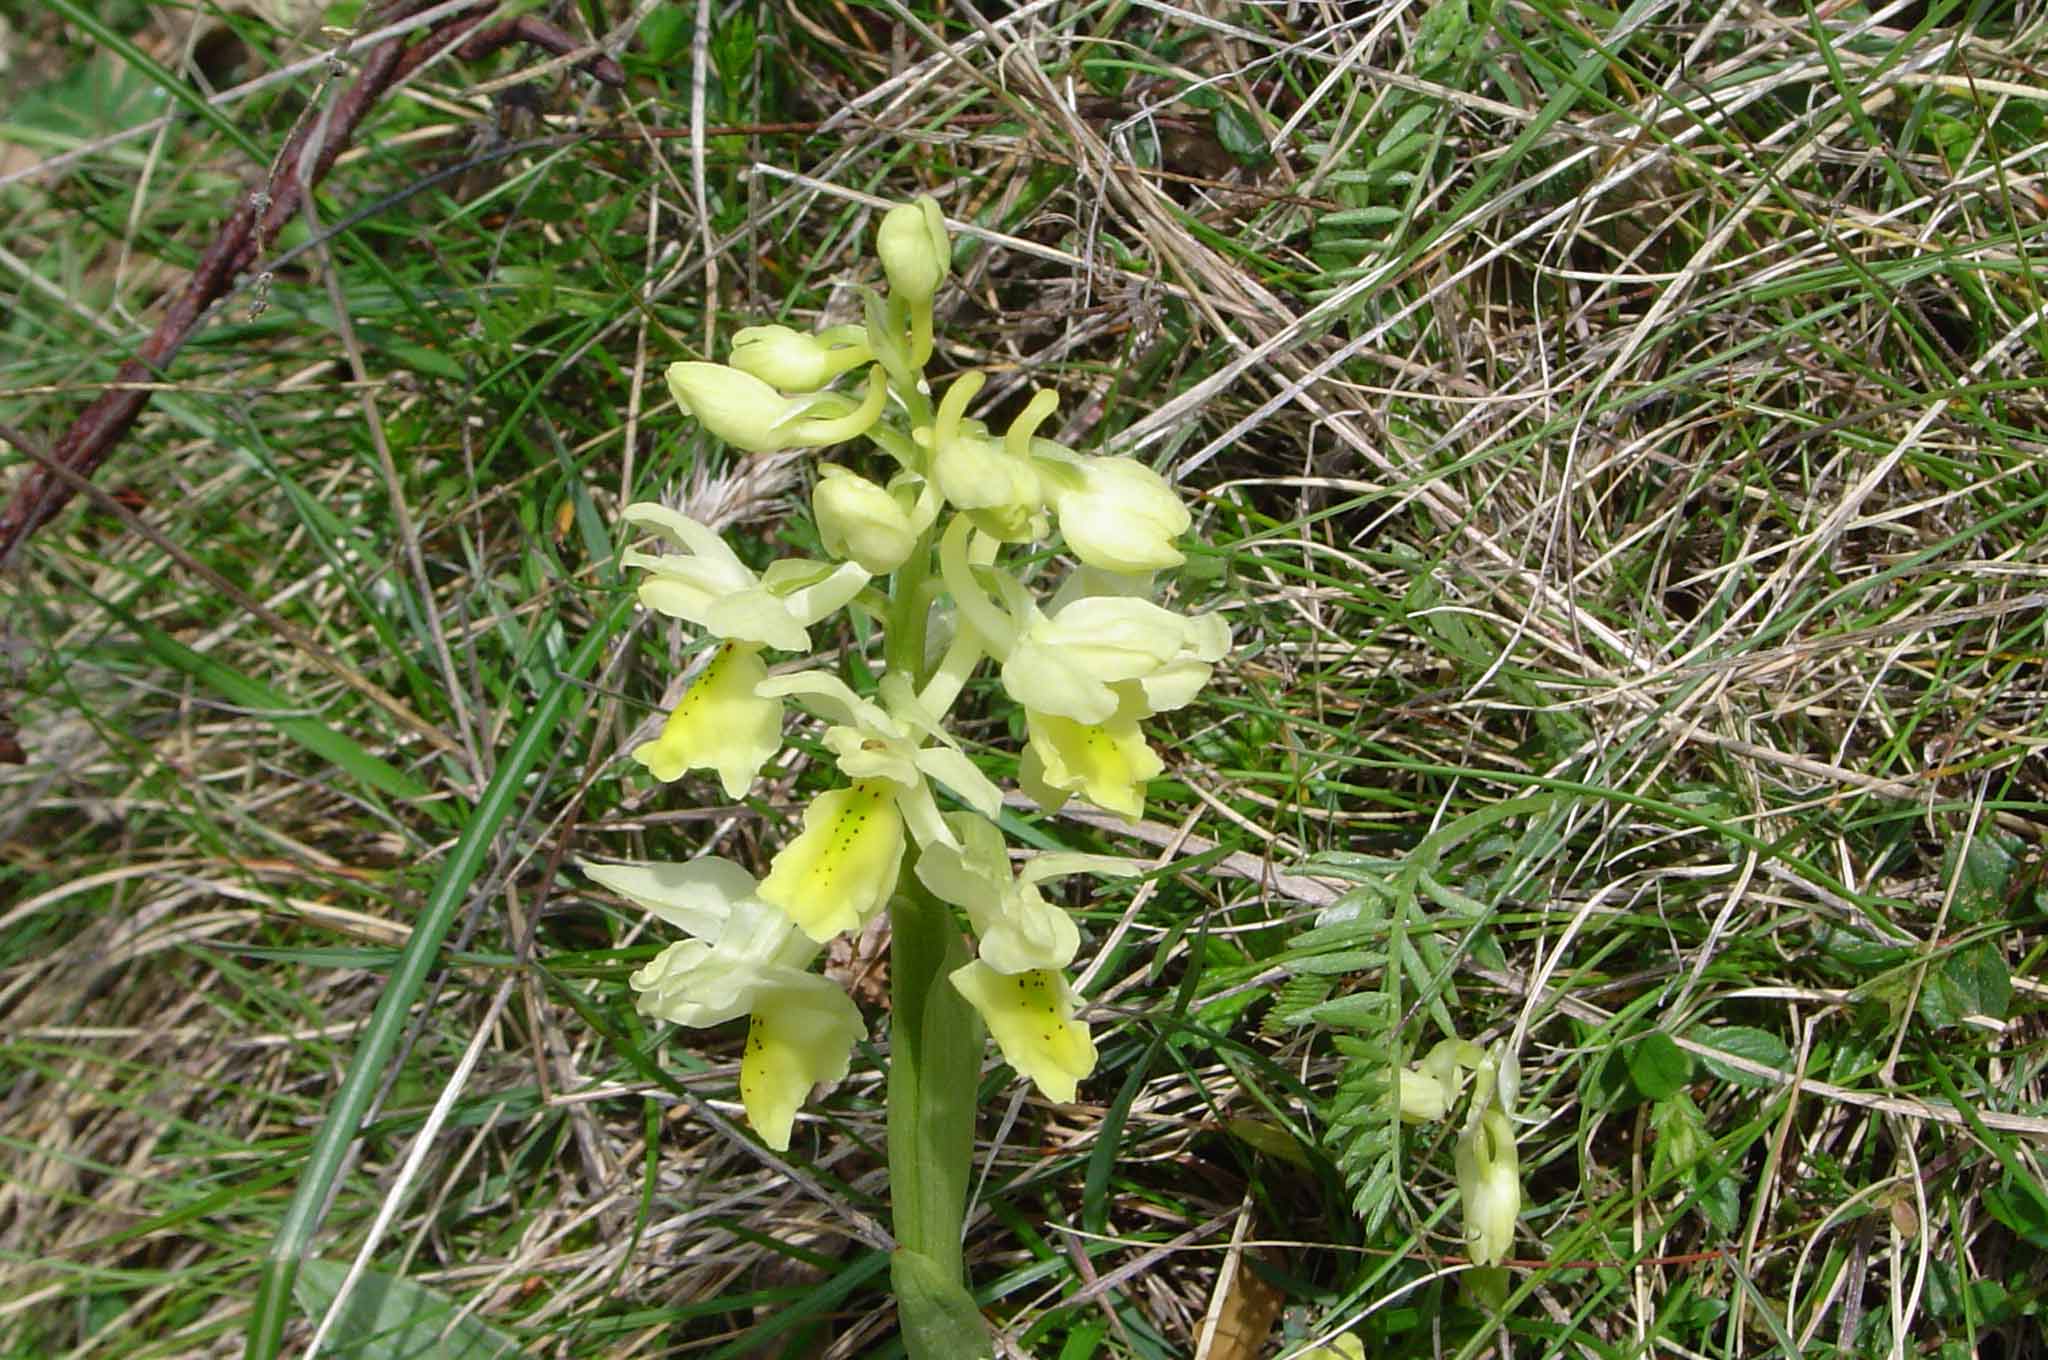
x: 249, y: 231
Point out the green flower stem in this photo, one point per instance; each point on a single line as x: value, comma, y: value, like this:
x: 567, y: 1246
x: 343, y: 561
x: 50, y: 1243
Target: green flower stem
x: 935, y: 1046
x: 909, y: 607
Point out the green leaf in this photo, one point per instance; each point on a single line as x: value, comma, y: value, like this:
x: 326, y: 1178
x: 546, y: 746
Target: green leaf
x: 1443, y: 34
x: 2020, y: 1205
x: 1681, y: 1135
x: 1366, y: 1011
x: 88, y: 19
x: 1360, y: 217
x: 1758, y: 1046
x: 1658, y: 1066
x: 1970, y: 981
x: 666, y: 32
x: 1269, y: 1138
x: 935, y: 1052
x: 1239, y: 133
x: 1986, y: 877
x: 1720, y: 1203
x: 939, y: 1319
x: 423, y: 359
x: 388, y: 1317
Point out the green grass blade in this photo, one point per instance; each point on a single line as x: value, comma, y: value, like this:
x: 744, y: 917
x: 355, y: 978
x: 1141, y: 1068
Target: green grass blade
x: 336, y: 748
x: 352, y: 1101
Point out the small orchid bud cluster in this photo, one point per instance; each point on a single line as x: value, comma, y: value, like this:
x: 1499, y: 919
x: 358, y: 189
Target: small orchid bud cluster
x: 1088, y: 666
x: 1489, y: 1176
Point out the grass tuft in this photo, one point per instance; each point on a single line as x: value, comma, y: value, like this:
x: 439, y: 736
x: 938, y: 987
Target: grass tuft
x: 1616, y: 438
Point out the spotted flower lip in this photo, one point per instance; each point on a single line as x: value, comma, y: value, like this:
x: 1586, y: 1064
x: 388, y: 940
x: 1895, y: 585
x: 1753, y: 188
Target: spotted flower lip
x: 744, y: 956
x: 886, y: 742
x: 842, y: 867
x: 707, y: 584
x: 719, y: 724
x: 799, y: 1037
x: 1031, y: 1017
x: 1109, y: 764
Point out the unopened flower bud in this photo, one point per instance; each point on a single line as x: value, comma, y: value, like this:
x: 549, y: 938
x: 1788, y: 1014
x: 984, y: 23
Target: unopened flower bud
x: 1000, y: 493
x: 976, y: 472
x: 794, y: 361
x: 861, y: 522
x: 749, y: 414
x: 736, y: 406
x: 915, y: 252
x: 1120, y: 515
x: 1422, y: 1098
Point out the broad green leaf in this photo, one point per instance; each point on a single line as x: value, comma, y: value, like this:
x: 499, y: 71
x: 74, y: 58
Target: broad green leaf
x: 1720, y: 1203
x: 1359, y: 1010
x: 939, y: 1319
x: 1658, y: 1065
x: 1681, y: 1135
x: 1758, y: 1046
x: 388, y: 1317
x: 2021, y: 1206
x: 1443, y: 34
x: 1971, y: 981
x: 1986, y: 877
x: 666, y: 32
x: 1239, y: 133
x: 1360, y: 217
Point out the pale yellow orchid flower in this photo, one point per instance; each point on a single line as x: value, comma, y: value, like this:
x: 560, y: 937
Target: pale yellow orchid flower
x: 719, y: 724
x: 744, y: 957
x: 841, y: 868
x: 1031, y: 1017
x: 707, y: 584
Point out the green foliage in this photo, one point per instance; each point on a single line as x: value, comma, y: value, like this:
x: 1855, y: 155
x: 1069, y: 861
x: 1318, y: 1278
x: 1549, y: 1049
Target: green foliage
x: 1361, y: 1128
x: 1658, y: 1066
x: 388, y: 1317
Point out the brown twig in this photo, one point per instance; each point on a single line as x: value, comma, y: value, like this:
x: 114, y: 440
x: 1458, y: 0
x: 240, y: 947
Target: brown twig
x: 250, y: 231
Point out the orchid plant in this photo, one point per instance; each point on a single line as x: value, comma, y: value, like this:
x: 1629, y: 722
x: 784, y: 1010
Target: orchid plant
x: 920, y: 551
